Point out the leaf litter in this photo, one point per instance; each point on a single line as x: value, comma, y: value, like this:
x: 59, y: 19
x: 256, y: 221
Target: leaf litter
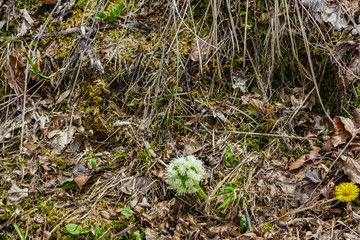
x: 90, y: 144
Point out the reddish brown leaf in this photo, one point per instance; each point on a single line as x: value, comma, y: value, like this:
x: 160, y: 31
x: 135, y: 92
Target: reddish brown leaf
x: 298, y: 163
x: 82, y: 172
x: 257, y: 104
x: 344, y: 128
x: 314, y: 153
x: 13, y: 73
x: 326, y: 147
x: 356, y: 114
x: 50, y: 2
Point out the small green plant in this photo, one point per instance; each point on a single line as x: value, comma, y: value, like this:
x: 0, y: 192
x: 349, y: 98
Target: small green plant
x: 21, y: 235
x: 2, y: 44
x: 75, y: 229
x: 93, y: 162
x: 146, y: 159
x: 229, y: 160
x: 113, y: 13
x: 34, y: 70
x: 187, y: 128
x: 243, y: 224
x: 118, y: 154
x: 96, y: 230
x: 126, y: 212
x: 229, y: 188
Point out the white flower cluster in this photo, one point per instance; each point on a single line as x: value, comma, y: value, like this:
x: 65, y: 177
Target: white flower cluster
x: 185, y: 173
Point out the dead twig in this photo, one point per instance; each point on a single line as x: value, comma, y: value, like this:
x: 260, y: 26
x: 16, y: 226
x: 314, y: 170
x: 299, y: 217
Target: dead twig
x: 133, y: 26
x: 270, y: 135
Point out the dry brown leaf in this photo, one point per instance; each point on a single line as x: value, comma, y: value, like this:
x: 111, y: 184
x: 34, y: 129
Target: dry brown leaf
x: 63, y: 96
x: 26, y: 24
x: 16, y: 80
x: 109, y: 49
x: 249, y: 236
x: 191, y: 144
x: 15, y: 194
x: 257, y: 104
x: 344, y: 128
x: 352, y: 72
x: 298, y: 163
x: 314, y: 153
x: 82, y: 172
x: 160, y: 172
x: 329, y: 190
x: 50, y: 2
x: 356, y: 114
x: 193, y: 120
x: 202, y: 50
x: 152, y: 234
x: 352, y: 168
x: 215, y: 230
x: 63, y: 138
x: 326, y: 147
x: 51, y: 49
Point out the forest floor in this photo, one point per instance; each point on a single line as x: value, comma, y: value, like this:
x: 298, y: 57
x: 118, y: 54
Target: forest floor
x: 98, y: 97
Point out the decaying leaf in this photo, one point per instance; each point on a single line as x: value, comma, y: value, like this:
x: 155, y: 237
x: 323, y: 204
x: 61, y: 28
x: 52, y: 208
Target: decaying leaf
x: 328, y: 190
x: 352, y: 72
x: 63, y: 96
x: 352, y: 168
x: 313, y: 176
x: 202, y: 50
x: 51, y: 49
x: 16, y: 80
x: 344, y: 129
x: 298, y: 163
x: 330, y: 12
x: 314, y: 153
x: 82, y: 172
x: 191, y: 144
x: 110, y: 49
x: 26, y: 24
x: 50, y: 2
x: 15, y: 194
x: 194, y: 119
x: 64, y: 137
x: 239, y: 81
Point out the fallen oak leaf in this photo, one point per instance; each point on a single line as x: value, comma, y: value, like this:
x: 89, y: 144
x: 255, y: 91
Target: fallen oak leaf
x: 352, y: 168
x: 16, y: 80
x: 191, y: 144
x: 344, y: 129
x: 202, y: 50
x: 82, y: 172
x: 298, y: 163
x: 314, y: 153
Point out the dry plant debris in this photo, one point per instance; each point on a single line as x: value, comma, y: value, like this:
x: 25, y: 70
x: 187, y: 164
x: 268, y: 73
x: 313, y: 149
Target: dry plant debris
x: 97, y: 99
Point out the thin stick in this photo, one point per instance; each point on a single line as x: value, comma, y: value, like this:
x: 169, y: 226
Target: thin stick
x: 245, y: 32
x: 271, y: 135
x: 78, y: 30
